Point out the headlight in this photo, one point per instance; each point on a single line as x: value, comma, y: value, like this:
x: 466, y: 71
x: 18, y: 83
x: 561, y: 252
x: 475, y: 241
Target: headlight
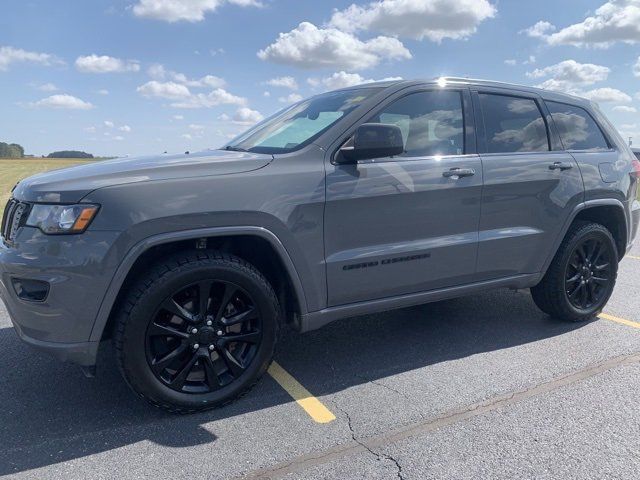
x: 57, y: 219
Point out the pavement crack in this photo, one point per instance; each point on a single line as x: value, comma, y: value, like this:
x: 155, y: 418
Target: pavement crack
x: 378, y: 456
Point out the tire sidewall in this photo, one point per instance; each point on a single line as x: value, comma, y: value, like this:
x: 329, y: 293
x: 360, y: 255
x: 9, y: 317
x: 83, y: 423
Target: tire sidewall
x: 134, y: 358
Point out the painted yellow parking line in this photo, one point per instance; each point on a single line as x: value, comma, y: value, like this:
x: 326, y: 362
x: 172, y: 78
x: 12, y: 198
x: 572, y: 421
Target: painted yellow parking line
x: 622, y: 321
x: 301, y: 395
x: 632, y: 256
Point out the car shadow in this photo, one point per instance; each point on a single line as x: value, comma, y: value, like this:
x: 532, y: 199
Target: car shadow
x: 44, y: 402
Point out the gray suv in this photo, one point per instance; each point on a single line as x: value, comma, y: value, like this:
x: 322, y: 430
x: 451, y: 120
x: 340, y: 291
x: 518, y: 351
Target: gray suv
x: 351, y: 202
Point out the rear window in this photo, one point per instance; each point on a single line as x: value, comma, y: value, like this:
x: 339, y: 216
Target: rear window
x: 513, y: 124
x: 578, y: 130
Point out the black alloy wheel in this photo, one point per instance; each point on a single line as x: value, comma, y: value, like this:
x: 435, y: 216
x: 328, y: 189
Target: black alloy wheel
x: 589, y: 273
x: 203, y: 337
x: 582, y: 275
x: 197, y: 331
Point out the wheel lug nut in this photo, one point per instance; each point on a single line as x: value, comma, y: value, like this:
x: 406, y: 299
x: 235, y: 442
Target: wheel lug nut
x: 209, y: 323
x: 196, y: 346
x: 220, y: 333
x: 212, y: 347
x: 194, y: 331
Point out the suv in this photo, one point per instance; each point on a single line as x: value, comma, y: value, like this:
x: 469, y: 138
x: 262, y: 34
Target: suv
x: 355, y: 201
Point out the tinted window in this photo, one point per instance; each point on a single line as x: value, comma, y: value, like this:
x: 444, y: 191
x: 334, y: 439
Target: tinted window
x: 513, y: 124
x: 577, y: 128
x: 431, y: 122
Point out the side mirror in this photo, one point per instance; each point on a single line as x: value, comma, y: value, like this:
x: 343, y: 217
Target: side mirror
x: 372, y: 140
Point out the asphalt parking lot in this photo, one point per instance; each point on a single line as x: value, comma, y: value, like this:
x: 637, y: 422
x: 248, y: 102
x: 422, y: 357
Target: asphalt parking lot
x: 480, y: 387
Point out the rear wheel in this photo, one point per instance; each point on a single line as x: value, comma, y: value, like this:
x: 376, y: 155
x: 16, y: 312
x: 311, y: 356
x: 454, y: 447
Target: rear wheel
x: 197, y: 332
x: 582, y: 275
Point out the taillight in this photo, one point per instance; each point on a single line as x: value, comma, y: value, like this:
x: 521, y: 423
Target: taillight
x: 635, y: 168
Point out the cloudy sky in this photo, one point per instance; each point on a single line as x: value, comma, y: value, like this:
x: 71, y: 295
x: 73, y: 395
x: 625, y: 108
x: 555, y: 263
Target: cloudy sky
x: 127, y: 77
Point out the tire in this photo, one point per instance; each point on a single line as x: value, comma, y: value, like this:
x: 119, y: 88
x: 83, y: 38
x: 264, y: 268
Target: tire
x: 562, y: 293
x: 224, y: 348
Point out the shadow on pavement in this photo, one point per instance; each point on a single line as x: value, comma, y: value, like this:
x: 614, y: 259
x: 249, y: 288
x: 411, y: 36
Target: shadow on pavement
x: 43, y: 401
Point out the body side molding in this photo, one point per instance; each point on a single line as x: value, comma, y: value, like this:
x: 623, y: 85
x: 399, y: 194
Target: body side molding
x: 315, y: 320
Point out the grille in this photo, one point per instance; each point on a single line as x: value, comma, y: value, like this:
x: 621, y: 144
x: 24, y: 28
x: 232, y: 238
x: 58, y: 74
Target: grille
x: 13, y: 218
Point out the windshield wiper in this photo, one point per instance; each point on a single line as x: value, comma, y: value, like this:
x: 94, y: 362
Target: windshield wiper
x: 234, y: 149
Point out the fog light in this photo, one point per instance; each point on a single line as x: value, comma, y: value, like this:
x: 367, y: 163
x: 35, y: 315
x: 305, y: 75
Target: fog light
x: 30, y: 290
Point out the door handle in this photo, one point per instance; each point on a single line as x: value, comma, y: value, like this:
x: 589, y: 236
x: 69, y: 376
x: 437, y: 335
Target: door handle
x: 560, y: 166
x: 456, y: 173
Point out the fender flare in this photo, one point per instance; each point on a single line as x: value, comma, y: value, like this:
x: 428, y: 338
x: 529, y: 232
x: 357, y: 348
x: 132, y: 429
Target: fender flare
x: 139, y: 248
x: 609, y: 202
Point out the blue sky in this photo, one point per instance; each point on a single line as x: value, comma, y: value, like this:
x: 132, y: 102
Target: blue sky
x: 128, y: 77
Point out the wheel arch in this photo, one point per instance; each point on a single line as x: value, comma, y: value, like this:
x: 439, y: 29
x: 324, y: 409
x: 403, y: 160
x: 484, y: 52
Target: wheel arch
x: 257, y: 245
x: 608, y: 212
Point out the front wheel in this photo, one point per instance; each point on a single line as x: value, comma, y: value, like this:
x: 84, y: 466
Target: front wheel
x: 197, y: 332
x: 582, y: 275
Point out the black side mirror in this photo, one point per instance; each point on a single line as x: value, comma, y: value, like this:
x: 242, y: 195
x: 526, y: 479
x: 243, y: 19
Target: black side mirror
x: 372, y: 140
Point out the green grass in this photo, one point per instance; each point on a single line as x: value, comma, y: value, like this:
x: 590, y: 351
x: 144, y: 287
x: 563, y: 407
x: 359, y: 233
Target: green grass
x: 14, y: 170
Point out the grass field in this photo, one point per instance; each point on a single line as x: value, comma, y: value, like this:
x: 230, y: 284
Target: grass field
x: 14, y: 170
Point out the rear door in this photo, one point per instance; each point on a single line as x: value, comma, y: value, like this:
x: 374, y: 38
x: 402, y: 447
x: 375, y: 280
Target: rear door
x: 408, y: 223
x: 530, y: 184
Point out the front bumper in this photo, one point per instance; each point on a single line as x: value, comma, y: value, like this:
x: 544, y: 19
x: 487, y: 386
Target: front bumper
x: 78, y: 269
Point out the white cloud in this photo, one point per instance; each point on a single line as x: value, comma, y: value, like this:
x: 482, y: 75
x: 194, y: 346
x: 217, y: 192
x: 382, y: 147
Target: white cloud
x: 435, y: 20
x: 636, y: 68
x: 310, y: 47
x: 343, y: 79
x: 246, y: 116
x: 159, y: 72
x: 539, y: 30
x: 291, y: 98
x: 570, y: 75
x: 90, y: 129
x: 108, y: 124
x: 625, y: 109
x: 105, y: 64
x: 285, y: 82
x: 9, y: 55
x: 511, y: 62
x: 178, y: 117
x: 62, y: 101
x: 103, y: 91
x: 196, y: 127
x: 118, y: 138
x: 178, y: 89
x: 606, y: 95
x: 218, y: 96
x: 266, y: 94
x: 125, y: 128
x: 181, y: 10
x: 47, y: 87
x: 168, y: 90
x: 615, y: 21
x: 224, y: 117
x: 186, y: 136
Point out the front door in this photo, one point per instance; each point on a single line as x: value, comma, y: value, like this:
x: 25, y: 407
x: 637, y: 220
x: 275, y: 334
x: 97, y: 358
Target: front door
x: 409, y: 223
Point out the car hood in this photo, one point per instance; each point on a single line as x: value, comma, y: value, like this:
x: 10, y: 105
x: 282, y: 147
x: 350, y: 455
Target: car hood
x: 72, y: 184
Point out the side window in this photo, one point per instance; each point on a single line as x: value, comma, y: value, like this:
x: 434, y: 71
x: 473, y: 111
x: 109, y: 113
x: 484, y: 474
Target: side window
x: 431, y: 122
x: 578, y: 130
x: 513, y: 124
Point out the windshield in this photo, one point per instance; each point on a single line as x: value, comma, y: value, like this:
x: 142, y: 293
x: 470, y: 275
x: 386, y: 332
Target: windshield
x: 300, y: 124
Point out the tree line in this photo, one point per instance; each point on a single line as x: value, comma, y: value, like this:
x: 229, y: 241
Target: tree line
x: 13, y: 150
